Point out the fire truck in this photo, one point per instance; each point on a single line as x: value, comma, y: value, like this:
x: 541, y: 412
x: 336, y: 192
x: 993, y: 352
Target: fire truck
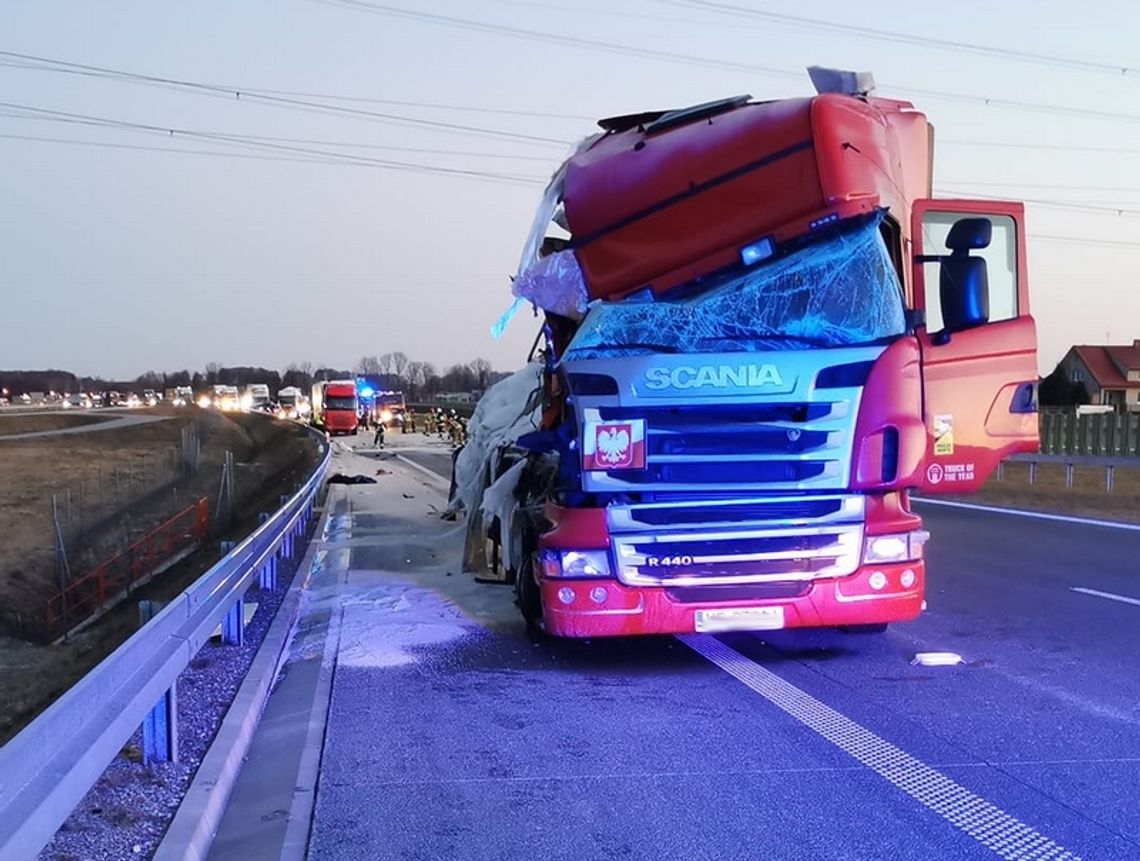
x: 761, y: 333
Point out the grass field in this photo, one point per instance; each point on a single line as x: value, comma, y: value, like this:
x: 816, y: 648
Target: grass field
x: 272, y: 458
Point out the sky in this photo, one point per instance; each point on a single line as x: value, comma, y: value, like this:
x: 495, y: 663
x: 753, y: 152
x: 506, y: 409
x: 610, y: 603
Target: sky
x: 370, y: 189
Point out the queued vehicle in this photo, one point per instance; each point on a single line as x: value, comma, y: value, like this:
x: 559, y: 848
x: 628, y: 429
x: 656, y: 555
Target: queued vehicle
x: 335, y: 406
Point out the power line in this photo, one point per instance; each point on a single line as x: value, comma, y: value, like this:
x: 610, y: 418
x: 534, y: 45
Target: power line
x: 1084, y: 240
x: 1049, y: 204
x: 557, y: 38
x: 179, y: 150
x: 237, y: 93
x: 416, y: 150
x: 218, y: 137
x: 407, y: 103
x: 1050, y: 185
x: 877, y: 34
x: 1040, y: 146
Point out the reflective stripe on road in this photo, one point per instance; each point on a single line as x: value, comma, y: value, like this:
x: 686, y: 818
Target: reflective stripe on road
x: 1007, y: 836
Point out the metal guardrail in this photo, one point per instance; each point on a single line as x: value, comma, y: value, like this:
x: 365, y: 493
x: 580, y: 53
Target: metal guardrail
x: 47, y: 769
x: 1124, y: 460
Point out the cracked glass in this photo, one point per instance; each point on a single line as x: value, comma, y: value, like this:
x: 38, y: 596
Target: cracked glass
x: 840, y: 290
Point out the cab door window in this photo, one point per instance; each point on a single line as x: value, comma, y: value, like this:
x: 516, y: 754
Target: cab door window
x: 1000, y: 257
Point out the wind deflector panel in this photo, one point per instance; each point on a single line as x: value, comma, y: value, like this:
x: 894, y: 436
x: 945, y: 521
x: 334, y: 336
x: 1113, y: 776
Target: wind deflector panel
x: 640, y: 205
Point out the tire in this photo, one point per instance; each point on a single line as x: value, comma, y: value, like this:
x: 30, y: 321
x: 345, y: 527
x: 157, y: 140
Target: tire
x: 877, y: 628
x: 527, y: 593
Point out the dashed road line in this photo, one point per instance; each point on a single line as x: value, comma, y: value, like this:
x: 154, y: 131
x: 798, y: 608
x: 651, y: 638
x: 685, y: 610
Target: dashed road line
x: 1111, y: 596
x: 1003, y: 834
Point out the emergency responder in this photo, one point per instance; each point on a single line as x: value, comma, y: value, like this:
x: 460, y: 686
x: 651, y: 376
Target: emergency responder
x: 378, y: 439
x: 412, y: 421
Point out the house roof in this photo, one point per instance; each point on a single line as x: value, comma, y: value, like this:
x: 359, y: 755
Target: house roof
x: 1105, y: 362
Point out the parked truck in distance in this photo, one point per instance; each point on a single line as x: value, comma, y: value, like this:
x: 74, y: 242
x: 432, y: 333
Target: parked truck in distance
x: 291, y: 403
x: 255, y: 397
x: 761, y: 334
x: 334, y: 406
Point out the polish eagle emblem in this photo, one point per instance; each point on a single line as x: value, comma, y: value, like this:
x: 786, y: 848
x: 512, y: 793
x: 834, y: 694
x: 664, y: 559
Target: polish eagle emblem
x: 613, y: 445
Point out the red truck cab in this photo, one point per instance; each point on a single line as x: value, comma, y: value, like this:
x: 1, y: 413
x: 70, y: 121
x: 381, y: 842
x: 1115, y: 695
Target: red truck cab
x: 761, y: 335
x: 339, y: 407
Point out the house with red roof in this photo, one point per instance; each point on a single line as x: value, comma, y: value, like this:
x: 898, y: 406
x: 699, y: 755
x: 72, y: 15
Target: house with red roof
x: 1110, y: 374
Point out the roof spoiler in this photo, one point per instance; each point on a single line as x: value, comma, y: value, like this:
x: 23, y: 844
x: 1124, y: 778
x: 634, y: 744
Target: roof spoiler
x: 839, y: 81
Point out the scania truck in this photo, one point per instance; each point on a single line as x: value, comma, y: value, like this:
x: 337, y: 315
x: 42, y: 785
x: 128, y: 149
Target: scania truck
x: 760, y: 334
x: 335, y: 406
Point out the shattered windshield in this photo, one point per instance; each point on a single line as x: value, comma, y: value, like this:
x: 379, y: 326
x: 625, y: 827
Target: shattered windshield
x: 840, y: 291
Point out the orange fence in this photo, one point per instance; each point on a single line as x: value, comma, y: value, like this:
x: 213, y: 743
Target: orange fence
x: 91, y: 593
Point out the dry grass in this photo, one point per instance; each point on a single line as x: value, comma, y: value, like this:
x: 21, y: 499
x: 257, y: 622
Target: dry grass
x: 272, y: 459
x: 1086, y: 498
x: 103, y: 474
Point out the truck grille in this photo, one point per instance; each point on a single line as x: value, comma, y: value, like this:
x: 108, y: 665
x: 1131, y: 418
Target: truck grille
x: 738, y: 556
x: 709, y: 542
x: 710, y: 447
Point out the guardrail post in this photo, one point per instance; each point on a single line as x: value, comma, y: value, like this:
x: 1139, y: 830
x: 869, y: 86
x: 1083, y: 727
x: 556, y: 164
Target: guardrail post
x: 1032, y: 472
x: 160, y: 726
x: 233, y: 624
x: 1109, y: 478
x: 225, y: 547
x: 267, y: 575
x: 1001, y: 470
x: 1069, y: 475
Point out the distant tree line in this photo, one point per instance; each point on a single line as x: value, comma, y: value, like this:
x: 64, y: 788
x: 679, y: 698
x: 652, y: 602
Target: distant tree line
x: 418, y: 380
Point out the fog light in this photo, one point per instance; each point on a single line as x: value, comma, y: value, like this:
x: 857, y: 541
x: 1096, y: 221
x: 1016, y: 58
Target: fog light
x: 877, y: 581
x: 907, y: 578
x: 566, y: 595
x: 599, y: 594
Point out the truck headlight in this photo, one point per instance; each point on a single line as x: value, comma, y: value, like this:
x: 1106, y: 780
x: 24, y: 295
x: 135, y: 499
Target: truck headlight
x: 898, y: 547
x: 584, y: 563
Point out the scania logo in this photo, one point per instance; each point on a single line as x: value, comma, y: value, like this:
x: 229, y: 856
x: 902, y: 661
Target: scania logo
x: 713, y: 377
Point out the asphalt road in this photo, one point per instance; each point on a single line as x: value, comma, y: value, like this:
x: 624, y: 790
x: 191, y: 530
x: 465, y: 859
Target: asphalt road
x: 451, y: 735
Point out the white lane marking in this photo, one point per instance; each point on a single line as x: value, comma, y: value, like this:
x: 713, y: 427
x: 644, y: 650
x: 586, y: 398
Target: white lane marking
x: 1005, y: 835
x: 1035, y: 515
x: 1123, y: 599
x: 442, y: 482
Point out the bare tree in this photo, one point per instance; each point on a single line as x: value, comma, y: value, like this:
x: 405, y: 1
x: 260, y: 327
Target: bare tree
x: 386, y: 363
x: 481, y: 368
x: 399, y: 366
x: 369, y: 365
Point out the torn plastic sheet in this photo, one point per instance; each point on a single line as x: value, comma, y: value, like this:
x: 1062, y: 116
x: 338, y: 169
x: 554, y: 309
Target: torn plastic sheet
x: 505, y: 320
x: 840, y: 291
x: 555, y: 283
x: 499, y: 501
x: 509, y: 409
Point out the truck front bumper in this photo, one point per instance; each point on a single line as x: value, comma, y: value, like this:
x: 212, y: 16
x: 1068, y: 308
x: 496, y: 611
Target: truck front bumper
x: 609, y: 608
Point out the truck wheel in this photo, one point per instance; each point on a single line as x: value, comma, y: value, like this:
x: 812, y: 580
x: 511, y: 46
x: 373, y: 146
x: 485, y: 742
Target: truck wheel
x: 877, y: 628
x: 527, y: 595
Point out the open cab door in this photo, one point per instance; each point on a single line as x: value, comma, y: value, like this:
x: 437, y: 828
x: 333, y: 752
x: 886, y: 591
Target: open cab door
x: 979, y: 342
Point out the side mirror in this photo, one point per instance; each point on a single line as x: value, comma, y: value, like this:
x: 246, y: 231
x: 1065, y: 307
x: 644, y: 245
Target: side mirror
x: 964, y: 288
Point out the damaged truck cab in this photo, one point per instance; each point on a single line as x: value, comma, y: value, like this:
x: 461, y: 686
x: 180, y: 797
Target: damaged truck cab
x: 760, y: 334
